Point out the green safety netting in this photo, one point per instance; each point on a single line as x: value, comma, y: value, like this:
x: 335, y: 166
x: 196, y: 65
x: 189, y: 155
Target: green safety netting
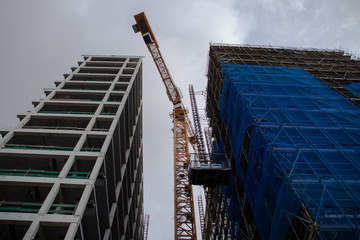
x: 33, y: 207
x: 42, y: 173
x: 304, y: 149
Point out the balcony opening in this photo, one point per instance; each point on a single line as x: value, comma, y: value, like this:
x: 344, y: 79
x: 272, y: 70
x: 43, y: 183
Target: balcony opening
x: 109, y: 109
x: 93, y: 143
x: 51, y: 230
x: 128, y: 71
x: 124, y: 78
x: 100, y: 70
x: 78, y: 96
x: 86, y: 86
x: 29, y: 165
x: 93, y: 77
x: 23, y: 198
x: 14, y: 230
x: 42, y: 141
x: 115, y: 98
x: 120, y: 87
x: 109, y: 59
x: 102, y: 124
x: 57, y: 123
x: 82, y: 168
x: 134, y: 60
x: 131, y: 65
x: 67, y: 200
x: 61, y: 108
x: 104, y: 64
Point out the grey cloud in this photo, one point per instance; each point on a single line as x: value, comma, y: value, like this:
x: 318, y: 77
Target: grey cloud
x: 41, y: 40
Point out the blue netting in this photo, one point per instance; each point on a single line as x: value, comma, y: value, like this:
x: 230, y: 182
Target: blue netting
x: 304, y: 147
x: 354, y: 88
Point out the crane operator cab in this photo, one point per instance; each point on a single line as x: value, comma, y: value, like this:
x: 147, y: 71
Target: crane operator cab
x: 209, y: 169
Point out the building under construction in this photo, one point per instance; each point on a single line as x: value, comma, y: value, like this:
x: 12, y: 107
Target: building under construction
x: 73, y: 168
x: 289, y: 121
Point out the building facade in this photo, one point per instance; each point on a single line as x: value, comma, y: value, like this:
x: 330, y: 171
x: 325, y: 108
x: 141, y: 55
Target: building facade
x: 289, y: 121
x: 73, y: 167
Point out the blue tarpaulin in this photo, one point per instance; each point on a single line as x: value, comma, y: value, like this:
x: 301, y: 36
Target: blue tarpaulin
x: 304, y: 146
x: 354, y: 88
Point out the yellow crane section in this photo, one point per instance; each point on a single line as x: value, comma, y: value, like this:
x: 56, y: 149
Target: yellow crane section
x: 185, y: 227
x: 142, y: 25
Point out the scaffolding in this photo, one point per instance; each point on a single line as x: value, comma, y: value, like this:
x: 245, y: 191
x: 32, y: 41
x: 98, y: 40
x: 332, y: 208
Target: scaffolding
x: 202, y: 216
x: 146, y: 226
x: 288, y: 133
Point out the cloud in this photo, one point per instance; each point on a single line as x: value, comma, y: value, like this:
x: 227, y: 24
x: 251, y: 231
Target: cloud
x: 321, y: 24
x: 41, y: 40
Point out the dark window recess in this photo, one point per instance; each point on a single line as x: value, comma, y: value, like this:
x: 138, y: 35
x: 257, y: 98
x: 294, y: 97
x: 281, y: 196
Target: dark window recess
x: 95, y: 87
x: 68, y: 109
x: 124, y: 78
x: 128, y: 71
x: 42, y: 142
x: 82, y: 167
x: 30, y: 165
x: 108, y: 59
x: 134, y: 60
x: 52, y: 231
x: 115, y: 98
x: 93, y: 77
x: 104, y: 64
x: 93, y: 144
x: 14, y: 231
x: 100, y: 70
x: 131, y: 65
x: 109, y: 110
x: 67, y: 202
x: 119, y: 87
x: 102, y: 125
x: 78, y: 97
x: 23, y: 198
x: 57, y: 123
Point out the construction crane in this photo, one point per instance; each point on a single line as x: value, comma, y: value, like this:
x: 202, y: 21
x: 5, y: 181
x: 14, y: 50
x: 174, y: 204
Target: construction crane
x: 185, y: 227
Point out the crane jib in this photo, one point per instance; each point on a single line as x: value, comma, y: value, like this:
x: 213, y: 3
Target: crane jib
x: 184, y: 214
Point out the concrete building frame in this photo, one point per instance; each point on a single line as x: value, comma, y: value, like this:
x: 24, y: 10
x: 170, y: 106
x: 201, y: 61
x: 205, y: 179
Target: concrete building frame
x: 72, y: 168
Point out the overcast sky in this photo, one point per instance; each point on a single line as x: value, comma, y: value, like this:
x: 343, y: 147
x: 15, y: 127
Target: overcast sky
x: 41, y: 40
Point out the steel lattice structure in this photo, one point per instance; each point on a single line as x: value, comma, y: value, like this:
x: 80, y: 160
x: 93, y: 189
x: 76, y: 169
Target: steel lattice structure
x: 202, y: 216
x: 197, y: 124
x: 183, y: 197
x: 185, y: 227
x: 146, y: 226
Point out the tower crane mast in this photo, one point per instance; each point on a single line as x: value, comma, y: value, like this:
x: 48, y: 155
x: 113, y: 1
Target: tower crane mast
x: 185, y: 227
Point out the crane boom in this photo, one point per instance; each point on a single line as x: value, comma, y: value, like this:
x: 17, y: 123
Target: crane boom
x: 143, y: 26
x: 185, y: 227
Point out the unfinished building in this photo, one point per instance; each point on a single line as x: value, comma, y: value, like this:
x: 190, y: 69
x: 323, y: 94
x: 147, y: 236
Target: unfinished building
x: 73, y: 167
x: 289, y: 121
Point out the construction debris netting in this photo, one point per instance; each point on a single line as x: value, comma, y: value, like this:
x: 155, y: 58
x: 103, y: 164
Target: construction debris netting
x: 304, y: 150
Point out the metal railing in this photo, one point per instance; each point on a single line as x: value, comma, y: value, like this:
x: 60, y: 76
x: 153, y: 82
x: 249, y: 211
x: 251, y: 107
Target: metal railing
x: 209, y: 161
